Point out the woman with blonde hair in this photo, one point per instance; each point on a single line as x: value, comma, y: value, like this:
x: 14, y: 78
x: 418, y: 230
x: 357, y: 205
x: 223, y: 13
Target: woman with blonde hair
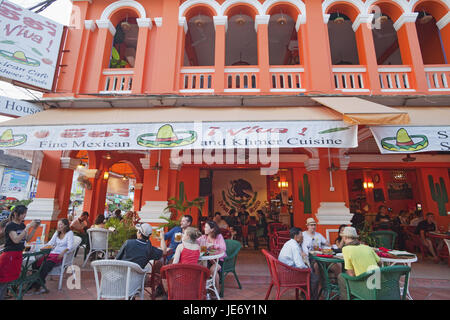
x: 188, y: 251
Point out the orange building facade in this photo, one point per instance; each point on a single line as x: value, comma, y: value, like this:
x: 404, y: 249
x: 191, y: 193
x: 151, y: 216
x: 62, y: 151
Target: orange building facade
x: 193, y: 57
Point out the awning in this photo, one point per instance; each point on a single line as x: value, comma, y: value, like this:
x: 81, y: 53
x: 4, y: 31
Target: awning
x: 179, y: 128
x: 360, y: 111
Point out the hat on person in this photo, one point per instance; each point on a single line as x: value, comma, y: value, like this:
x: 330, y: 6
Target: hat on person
x: 310, y: 221
x: 145, y: 229
x: 349, y: 232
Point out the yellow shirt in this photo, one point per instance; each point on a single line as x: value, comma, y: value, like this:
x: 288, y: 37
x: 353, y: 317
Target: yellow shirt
x: 360, y: 258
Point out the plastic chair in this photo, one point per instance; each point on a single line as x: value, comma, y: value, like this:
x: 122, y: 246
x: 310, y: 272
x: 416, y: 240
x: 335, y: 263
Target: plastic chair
x: 154, y: 279
x: 284, y: 276
x: 447, y: 242
x: 229, y: 263
x: 225, y: 233
x: 98, y: 242
x: 185, y: 281
x: 120, y: 279
x: 67, y: 261
x: 388, y: 288
x: 275, y: 226
x: 27, y: 275
x: 384, y: 238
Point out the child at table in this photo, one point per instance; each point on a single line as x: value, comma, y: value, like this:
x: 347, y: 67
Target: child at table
x: 188, y: 251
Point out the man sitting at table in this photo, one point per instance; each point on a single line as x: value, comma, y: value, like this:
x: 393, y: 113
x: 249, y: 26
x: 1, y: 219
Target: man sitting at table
x: 79, y: 227
x: 185, y: 222
x: 426, y: 226
x: 292, y: 255
x: 358, y: 258
x: 140, y: 250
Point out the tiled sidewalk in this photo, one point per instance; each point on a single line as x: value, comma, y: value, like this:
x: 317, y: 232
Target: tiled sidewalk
x: 429, y: 281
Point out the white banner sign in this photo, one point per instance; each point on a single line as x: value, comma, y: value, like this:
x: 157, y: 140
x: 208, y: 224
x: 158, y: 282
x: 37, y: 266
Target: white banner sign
x: 412, y: 139
x: 17, y: 108
x: 29, y: 46
x: 193, y: 135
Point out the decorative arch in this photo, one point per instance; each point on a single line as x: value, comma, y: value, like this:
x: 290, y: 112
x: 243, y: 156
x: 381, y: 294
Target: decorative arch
x: 297, y: 4
x: 109, y: 10
x: 357, y: 4
x: 257, y: 6
x: 414, y: 3
x: 347, y: 8
x: 393, y: 8
x: 190, y: 4
x: 438, y: 9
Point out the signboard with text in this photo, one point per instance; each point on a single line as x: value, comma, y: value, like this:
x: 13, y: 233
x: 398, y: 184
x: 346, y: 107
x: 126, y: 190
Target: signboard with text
x: 29, y: 46
x: 191, y: 135
x: 17, y: 108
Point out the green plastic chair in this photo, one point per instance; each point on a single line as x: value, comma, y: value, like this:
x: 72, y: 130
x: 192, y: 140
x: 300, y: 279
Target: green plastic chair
x: 229, y: 263
x: 389, y: 287
x: 330, y: 287
x: 384, y: 238
x: 28, y: 275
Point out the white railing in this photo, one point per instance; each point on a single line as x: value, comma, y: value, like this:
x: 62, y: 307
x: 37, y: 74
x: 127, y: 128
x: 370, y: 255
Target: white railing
x: 350, y: 78
x: 285, y: 79
x: 117, y: 81
x: 438, y: 78
x: 395, y: 79
x: 241, y: 79
x: 197, y: 80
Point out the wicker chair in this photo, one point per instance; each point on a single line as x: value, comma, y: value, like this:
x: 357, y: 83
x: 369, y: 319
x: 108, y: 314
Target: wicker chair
x: 119, y: 279
x: 98, y: 242
x: 284, y: 276
x: 185, y: 281
x: 67, y: 262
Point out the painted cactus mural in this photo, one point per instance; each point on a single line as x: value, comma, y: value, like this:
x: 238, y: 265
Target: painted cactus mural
x: 304, y: 194
x: 439, y: 194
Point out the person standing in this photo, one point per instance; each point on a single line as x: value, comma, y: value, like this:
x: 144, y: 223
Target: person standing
x: 261, y: 229
x: 16, y: 234
x: 244, y: 221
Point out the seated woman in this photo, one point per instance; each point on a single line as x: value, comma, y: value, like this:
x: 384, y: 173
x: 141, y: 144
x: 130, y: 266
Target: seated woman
x: 339, y: 241
x: 61, y: 242
x: 213, y: 239
x: 188, y: 251
x: 99, y: 222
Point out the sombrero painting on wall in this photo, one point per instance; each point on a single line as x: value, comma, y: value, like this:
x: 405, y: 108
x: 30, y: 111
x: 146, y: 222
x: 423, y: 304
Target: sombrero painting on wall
x: 8, y: 139
x: 404, y: 142
x: 20, y: 57
x: 166, y: 137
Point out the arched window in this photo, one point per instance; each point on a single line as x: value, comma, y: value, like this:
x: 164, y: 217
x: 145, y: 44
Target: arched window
x: 123, y: 52
x: 283, y: 40
x: 200, y: 40
x: 430, y: 39
x: 241, y: 39
x: 343, y: 46
x: 386, y: 41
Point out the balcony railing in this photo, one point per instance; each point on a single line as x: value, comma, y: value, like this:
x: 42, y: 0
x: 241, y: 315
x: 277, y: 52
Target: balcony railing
x: 197, y: 80
x: 395, y: 79
x: 438, y: 77
x: 350, y: 78
x: 241, y: 79
x: 117, y: 81
x: 285, y: 79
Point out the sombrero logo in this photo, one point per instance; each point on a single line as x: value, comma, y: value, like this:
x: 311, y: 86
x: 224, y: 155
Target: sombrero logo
x: 166, y: 137
x: 405, y: 142
x: 8, y: 139
x: 20, y: 57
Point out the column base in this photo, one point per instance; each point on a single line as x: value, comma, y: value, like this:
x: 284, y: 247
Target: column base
x: 333, y: 213
x: 151, y: 212
x: 45, y: 209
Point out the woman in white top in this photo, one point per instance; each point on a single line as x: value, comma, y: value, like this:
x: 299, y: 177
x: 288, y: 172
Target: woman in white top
x: 61, y: 242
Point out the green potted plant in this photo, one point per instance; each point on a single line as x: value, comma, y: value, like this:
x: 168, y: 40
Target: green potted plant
x: 364, y: 235
x: 123, y: 230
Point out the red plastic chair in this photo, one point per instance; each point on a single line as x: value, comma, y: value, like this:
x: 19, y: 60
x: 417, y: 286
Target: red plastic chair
x: 185, y: 281
x: 287, y: 277
x: 154, y: 280
x: 275, y: 226
x: 225, y: 233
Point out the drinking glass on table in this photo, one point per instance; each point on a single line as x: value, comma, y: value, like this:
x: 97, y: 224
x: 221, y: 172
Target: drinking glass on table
x: 178, y: 237
x: 203, y: 246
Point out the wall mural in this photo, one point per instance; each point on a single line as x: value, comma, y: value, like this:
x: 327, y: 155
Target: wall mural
x: 439, y: 194
x: 233, y: 188
x: 304, y: 194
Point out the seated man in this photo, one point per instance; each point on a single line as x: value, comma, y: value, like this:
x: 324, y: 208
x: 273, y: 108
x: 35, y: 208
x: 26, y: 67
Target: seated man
x: 185, y: 222
x: 140, y: 250
x: 79, y: 227
x: 358, y: 258
x: 422, y: 228
x: 312, y: 239
x: 292, y: 255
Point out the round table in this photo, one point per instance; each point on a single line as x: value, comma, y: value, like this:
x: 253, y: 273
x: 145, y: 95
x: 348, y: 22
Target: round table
x: 211, y: 282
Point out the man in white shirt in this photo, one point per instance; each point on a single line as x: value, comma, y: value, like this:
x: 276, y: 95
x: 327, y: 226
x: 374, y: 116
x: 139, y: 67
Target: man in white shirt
x: 311, y: 238
x: 292, y: 255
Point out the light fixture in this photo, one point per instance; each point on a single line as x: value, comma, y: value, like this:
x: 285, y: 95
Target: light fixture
x: 283, y: 184
x: 81, y: 165
x: 426, y: 18
x: 338, y: 19
x: 126, y: 26
x: 107, y: 156
x: 106, y: 175
x: 382, y: 19
x: 409, y: 158
x: 240, y: 20
x: 368, y: 185
x: 282, y: 20
x: 124, y: 178
x: 199, y: 22
x: 399, y: 176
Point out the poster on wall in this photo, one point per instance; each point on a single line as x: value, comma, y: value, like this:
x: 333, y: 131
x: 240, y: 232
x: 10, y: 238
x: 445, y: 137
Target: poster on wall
x: 14, y: 183
x: 29, y: 46
x: 411, y: 139
x: 233, y: 188
x: 400, y: 191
